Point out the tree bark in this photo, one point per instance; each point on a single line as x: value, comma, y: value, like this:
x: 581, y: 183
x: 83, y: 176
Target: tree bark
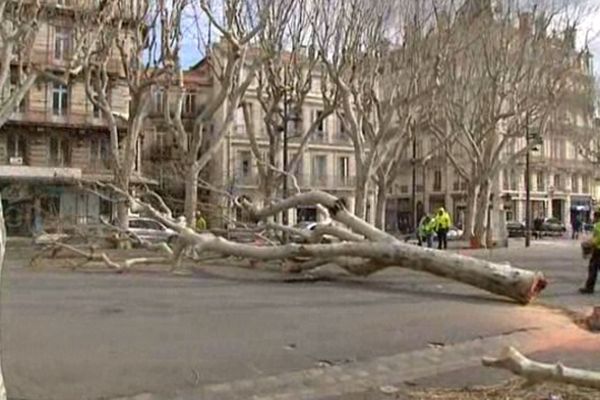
x: 481, y: 212
x: 191, y: 195
x: 2, y: 252
x: 360, y: 197
x: 380, y: 204
x: 535, y: 372
x: 471, y: 207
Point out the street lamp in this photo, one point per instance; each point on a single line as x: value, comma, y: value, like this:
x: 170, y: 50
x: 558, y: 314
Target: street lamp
x: 538, y: 141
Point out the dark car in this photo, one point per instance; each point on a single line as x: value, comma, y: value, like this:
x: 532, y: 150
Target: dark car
x: 515, y: 229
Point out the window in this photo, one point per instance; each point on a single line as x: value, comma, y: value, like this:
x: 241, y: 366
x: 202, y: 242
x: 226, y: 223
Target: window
x: 321, y: 126
x: 62, y: 43
x: 575, y: 184
x: 16, y: 148
x: 557, y: 181
x: 437, y: 180
x: 60, y: 152
x: 189, y: 103
x: 99, y: 152
x: 159, y: 101
x: 60, y: 99
x: 585, y: 184
x: 319, y: 169
x: 513, y: 180
x: 343, y: 166
x: 320, y: 133
x: 505, y: 180
x: 343, y: 170
x: 540, y: 182
x: 245, y: 163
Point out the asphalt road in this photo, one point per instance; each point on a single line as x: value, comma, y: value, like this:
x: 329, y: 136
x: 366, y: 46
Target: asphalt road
x: 76, y: 335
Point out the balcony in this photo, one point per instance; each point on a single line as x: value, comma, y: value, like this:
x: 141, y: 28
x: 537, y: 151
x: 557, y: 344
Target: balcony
x: 20, y: 172
x: 70, y: 118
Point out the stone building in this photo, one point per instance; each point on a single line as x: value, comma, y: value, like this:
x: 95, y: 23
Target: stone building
x: 327, y: 162
x: 54, y: 141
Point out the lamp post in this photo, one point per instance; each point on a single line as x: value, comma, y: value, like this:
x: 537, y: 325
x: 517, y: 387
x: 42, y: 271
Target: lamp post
x: 538, y: 140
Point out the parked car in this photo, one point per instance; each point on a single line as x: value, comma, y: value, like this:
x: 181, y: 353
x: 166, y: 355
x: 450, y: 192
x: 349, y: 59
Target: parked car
x: 151, y: 230
x: 308, y: 226
x: 515, y: 228
x: 553, y: 227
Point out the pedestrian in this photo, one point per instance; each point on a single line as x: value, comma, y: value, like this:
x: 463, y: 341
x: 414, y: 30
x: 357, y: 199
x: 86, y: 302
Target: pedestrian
x: 442, y: 226
x: 575, y: 227
x: 594, y: 265
x: 200, y: 222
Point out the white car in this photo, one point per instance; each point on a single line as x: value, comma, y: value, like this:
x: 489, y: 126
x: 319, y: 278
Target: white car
x: 151, y: 230
x: 310, y: 226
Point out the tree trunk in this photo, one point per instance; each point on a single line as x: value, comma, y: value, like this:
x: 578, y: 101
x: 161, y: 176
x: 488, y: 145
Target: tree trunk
x: 191, y: 195
x: 481, y: 213
x: 122, y: 182
x: 504, y: 280
x: 360, y: 196
x: 469, y: 222
x: 380, y: 204
x: 2, y: 251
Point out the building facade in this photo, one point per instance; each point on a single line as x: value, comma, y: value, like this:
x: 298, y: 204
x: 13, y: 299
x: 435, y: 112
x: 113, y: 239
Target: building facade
x: 54, y: 142
x: 327, y: 162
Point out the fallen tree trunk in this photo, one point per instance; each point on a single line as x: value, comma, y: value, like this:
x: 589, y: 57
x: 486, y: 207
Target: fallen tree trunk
x: 364, y: 250
x: 536, y: 372
x: 504, y: 280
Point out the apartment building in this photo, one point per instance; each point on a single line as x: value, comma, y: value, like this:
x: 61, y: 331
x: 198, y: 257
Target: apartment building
x: 326, y: 164
x: 54, y: 141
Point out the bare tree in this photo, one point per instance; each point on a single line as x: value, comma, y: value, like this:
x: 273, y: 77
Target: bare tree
x: 353, y: 42
x: 496, y: 76
x: 232, y: 64
x: 123, y: 65
x: 286, y: 83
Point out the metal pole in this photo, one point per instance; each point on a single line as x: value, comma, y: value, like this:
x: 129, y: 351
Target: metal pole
x: 285, y: 147
x: 414, y: 183
x: 527, y: 187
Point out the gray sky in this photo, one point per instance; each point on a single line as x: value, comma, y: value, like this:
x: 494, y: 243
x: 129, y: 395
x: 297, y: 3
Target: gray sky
x: 590, y: 29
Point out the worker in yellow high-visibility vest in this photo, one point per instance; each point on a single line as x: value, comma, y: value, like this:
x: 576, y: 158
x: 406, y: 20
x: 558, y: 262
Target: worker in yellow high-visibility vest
x: 442, y: 226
